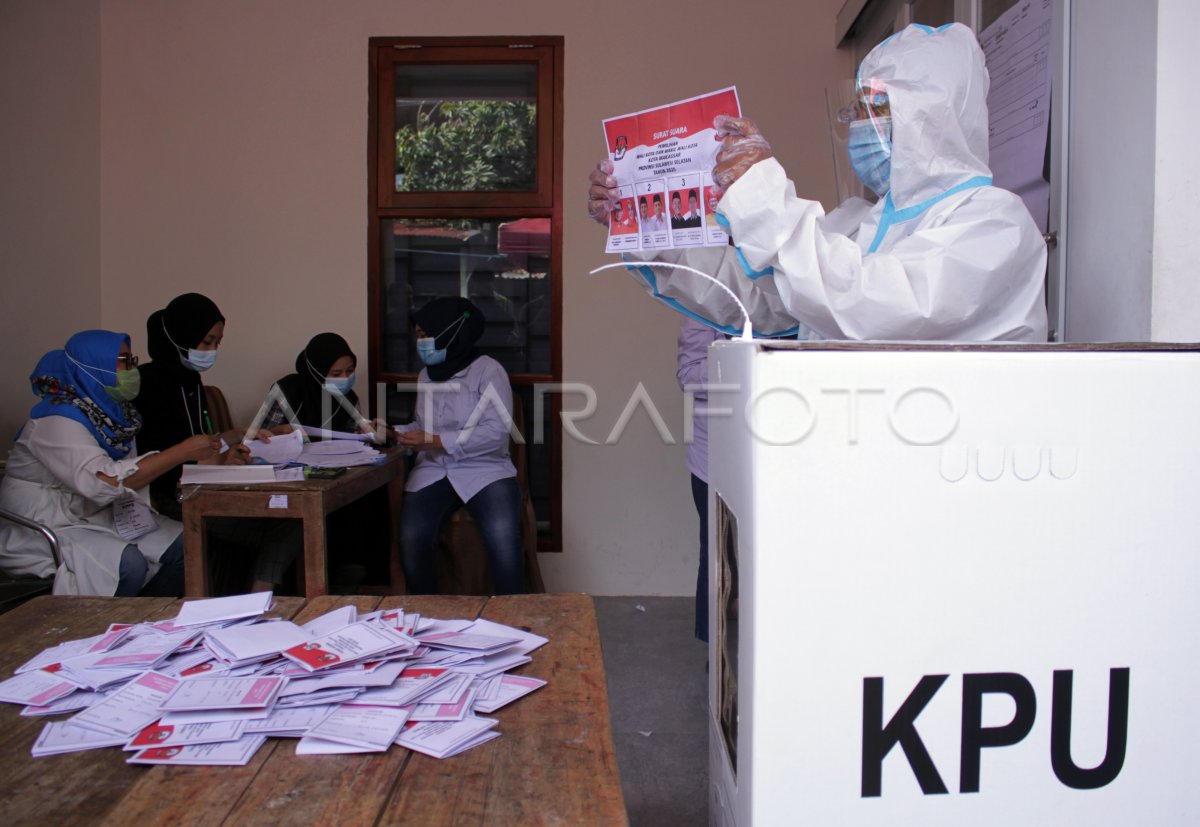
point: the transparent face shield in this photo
(861, 107)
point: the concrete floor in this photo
(658, 700)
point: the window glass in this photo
(502, 265)
(465, 127)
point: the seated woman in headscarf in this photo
(75, 468)
(182, 340)
(320, 396)
(320, 393)
(460, 431)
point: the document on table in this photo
(442, 739)
(354, 642)
(37, 688)
(227, 474)
(322, 433)
(243, 644)
(160, 735)
(471, 642)
(281, 450)
(216, 609)
(224, 693)
(131, 708)
(58, 737)
(505, 690)
(663, 158)
(227, 753)
(370, 727)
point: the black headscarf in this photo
(438, 319)
(305, 391)
(180, 325)
(171, 401)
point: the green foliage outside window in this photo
(473, 145)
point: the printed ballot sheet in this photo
(662, 160)
(226, 753)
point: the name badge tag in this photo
(132, 518)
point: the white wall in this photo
(50, 195)
(1111, 170)
(232, 161)
(1176, 296)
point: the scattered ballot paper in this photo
(369, 727)
(223, 693)
(217, 609)
(210, 685)
(169, 735)
(227, 753)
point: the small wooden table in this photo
(310, 501)
(553, 764)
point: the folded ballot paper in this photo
(209, 686)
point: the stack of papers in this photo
(340, 451)
(209, 686)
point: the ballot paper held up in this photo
(662, 159)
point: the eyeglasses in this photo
(870, 104)
(128, 360)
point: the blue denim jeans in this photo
(167, 581)
(496, 510)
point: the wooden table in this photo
(553, 764)
(310, 501)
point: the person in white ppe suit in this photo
(943, 254)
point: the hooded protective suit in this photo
(943, 256)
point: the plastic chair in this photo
(461, 557)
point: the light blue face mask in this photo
(429, 354)
(339, 384)
(199, 360)
(870, 148)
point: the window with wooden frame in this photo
(465, 199)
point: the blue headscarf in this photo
(71, 383)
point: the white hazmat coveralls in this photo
(943, 256)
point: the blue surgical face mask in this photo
(339, 384)
(199, 360)
(870, 148)
(429, 354)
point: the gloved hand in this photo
(602, 192)
(742, 147)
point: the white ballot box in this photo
(954, 585)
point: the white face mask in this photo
(199, 360)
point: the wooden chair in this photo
(461, 557)
(218, 409)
